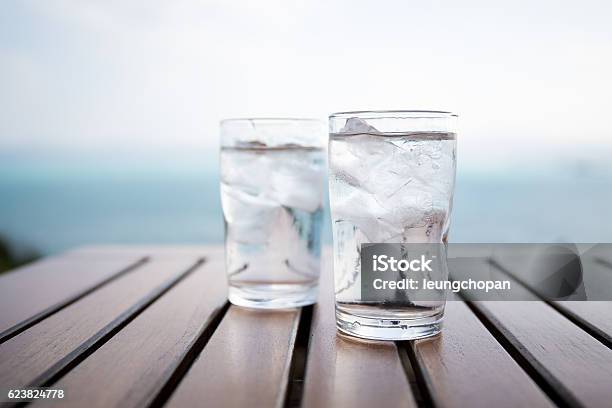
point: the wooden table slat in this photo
(595, 315)
(160, 251)
(466, 366)
(573, 362)
(135, 364)
(48, 347)
(345, 372)
(245, 363)
(576, 365)
(49, 284)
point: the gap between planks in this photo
(299, 358)
(297, 364)
(556, 392)
(414, 373)
(58, 370)
(591, 329)
(192, 354)
(37, 318)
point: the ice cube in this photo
(248, 170)
(297, 181)
(346, 272)
(355, 160)
(357, 125)
(344, 165)
(249, 218)
(368, 215)
(372, 148)
(412, 210)
(369, 162)
(387, 179)
(412, 165)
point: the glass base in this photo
(388, 329)
(272, 296)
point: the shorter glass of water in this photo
(272, 178)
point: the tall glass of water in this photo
(272, 180)
(392, 175)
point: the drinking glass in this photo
(391, 180)
(272, 178)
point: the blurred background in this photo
(109, 110)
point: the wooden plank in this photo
(38, 354)
(160, 251)
(594, 316)
(131, 368)
(597, 316)
(526, 263)
(245, 363)
(345, 372)
(467, 367)
(600, 252)
(35, 291)
(577, 366)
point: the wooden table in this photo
(151, 326)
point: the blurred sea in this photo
(52, 211)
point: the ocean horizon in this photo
(51, 210)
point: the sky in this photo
(530, 80)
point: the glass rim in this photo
(272, 131)
(269, 119)
(395, 113)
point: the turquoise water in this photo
(52, 212)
